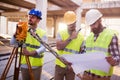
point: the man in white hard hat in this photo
(101, 39)
(69, 41)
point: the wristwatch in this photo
(69, 39)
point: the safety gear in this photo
(21, 31)
(69, 17)
(92, 16)
(32, 44)
(100, 45)
(36, 13)
(72, 48)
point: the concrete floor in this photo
(48, 68)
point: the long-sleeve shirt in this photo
(40, 50)
(113, 48)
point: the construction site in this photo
(14, 11)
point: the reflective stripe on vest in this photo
(97, 49)
(72, 48)
(71, 51)
(101, 44)
(32, 44)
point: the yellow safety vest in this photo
(33, 44)
(72, 48)
(101, 44)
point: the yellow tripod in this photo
(17, 63)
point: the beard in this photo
(97, 30)
(30, 22)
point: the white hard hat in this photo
(69, 17)
(92, 16)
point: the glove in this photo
(21, 31)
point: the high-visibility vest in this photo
(72, 48)
(101, 44)
(33, 44)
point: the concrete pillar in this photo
(0, 24)
(42, 5)
(55, 19)
(3, 25)
(79, 14)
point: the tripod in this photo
(17, 63)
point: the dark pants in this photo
(90, 77)
(36, 73)
(61, 73)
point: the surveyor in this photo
(34, 49)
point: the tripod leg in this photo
(8, 64)
(29, 68)
(17, 66)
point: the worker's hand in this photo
(79, 75)
(69, 67)
(111, 61)
(28, 53)
(67, 63)
(73, 35)
(18, 30)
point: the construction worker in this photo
(69, 41)
(101, 39)
(33, 49)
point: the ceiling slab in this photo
(64, 3)
(107, 12)
(63, 6)
(20, 3)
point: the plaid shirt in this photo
(113, 48)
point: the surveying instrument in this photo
(21, 33)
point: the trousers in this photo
(36, 73)
(63, 73)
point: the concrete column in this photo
(3, 25)
(55, 18)
(0, 24)
(79, 14)
(42, 6)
